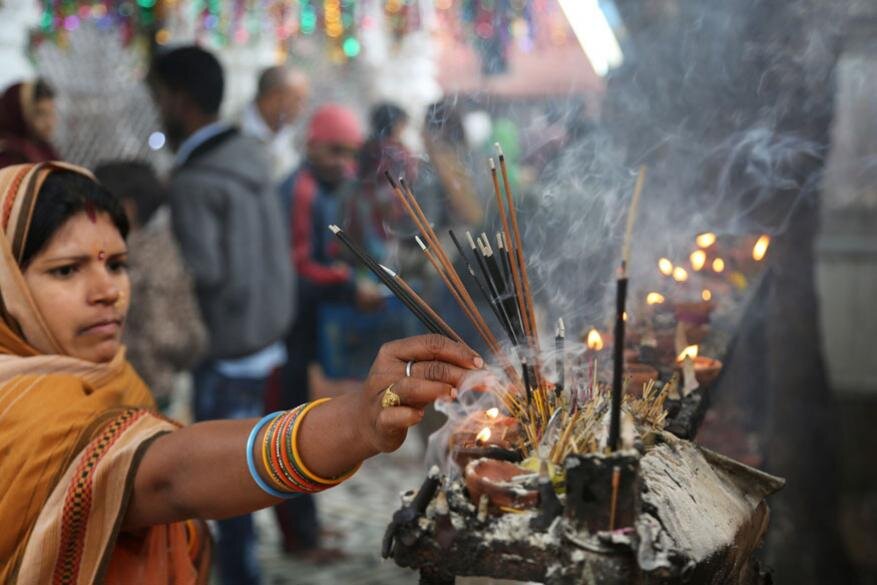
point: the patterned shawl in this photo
(71, 436)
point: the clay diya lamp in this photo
(485, 434)
(638, 375)
(500, 482)
(695, 312)
(706, 369)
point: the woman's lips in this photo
(105, 327)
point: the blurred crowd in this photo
(242, 295)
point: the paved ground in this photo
(360, 509)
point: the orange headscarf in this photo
(71, 435)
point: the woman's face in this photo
(44, 119)
(80, 284)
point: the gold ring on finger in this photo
(390, 398)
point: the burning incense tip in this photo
(594, 340)
(561, 329)
(760, 248)
(335, 229)
(390, 178)
(388, 271)
(499, 150)
(706, 294)
(665, 266)
(705, 240)
(689, 352)
(654, 298)
(718, 265)
(420, 243)
(492, 164)
(492, 412)
(680, 274)
(698, 259)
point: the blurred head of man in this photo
(334, 139)
(281, 96)
(187, 86)
(42, 117)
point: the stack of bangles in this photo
(287, 473)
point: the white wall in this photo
(16, 18)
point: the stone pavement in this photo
(360, 509)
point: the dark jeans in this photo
(218, 396)
(297, 517)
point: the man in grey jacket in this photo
(227, 219)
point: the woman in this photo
(96, 487)
(27, 123)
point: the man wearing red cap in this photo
(312, 196)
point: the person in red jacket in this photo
(313, 199)
(27, 123)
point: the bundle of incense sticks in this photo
(502, 280)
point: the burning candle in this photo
(689, 352)
(706, 294)
(483, 436)
(705, 240)
(654, 298)
(594, 340)
(698, 259)
(491, 413)
(718, 265)
(760, 248)
(665, 267)
(680, 274)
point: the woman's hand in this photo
(438, 366)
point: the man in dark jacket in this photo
(227, 220)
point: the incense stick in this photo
(519, 246)
(631, 217)
(417, 306)
(425, 306)
(559, 339)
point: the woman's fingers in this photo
(438, 372)
(399, 418)
(418, 393)
(434, 347)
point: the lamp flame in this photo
(482, 436)
(705, 240)
(654, 298)
(680, 274)
(665, 266)
(706, 294)
(698, 259)
(689, 352)
(492, 412)
(718, 265)
(594, 341)
(760, 248)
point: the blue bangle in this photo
(251, 463)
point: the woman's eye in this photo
(118, 265)
(63, 271)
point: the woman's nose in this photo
(104, 288)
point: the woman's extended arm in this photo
(201, 471)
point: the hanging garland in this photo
(239, 22)
(490, 25)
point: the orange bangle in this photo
(297, 456)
